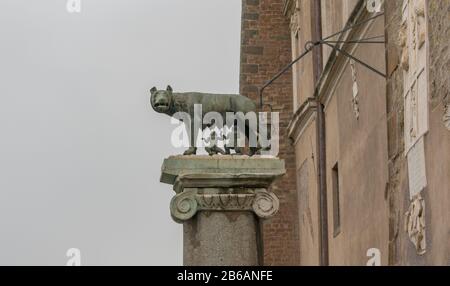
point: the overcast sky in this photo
(80, 148)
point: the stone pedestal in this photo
(220, 201)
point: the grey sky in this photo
(80, 149)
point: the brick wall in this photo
(265, 49)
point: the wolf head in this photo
(161, 100)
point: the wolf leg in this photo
(253, 150)
(191, 132)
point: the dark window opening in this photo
(336, 209)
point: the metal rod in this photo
(354, 26)
(364, 41)
(278, 75)
(310, 46)
(374, 37)
(356, 42)
(355, 59)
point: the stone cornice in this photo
(301, 118)
(220, 171)
(225, 180)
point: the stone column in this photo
(220, 201)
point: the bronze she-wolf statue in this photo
(169, 102)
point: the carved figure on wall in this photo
(446, 118)
(355, 89)
(403, 42)
(413, 114)
(415, 224)
(419, 10)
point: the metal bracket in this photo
(309, 46)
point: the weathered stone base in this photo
(221, 239)
(220, 200)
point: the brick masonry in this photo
(265, 50)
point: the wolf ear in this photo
(169, 88)
(153, 90)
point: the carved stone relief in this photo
(419, 10)
(355, 89)
(403, 38)
(295, 35)
(186, 204)
(413, 113)
(295, 18)
(415, 224)
(265, 204)
(413, 41)
(446, 118)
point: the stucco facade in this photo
(356, 144)
(386, 148)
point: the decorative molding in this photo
(226, 180)
(222, 184)
(415, 224)
(265, 204)
(301, 119)
(186, 204)
(203, 171)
